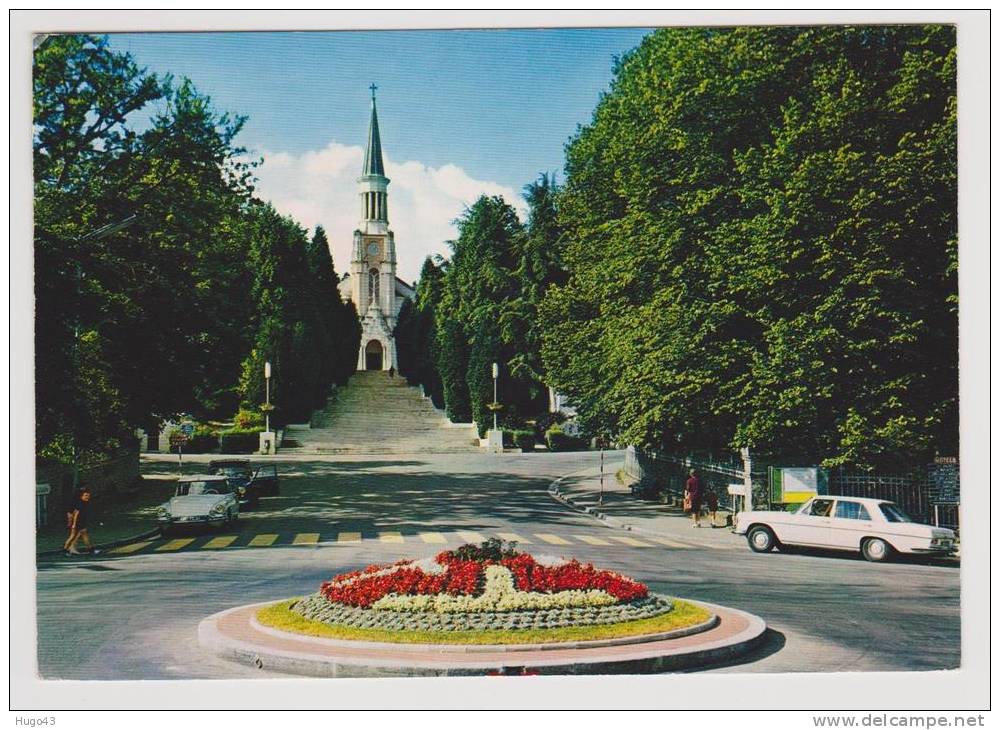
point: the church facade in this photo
(372, 284)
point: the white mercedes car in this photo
(874, 527)
(205, 499)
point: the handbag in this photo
(687, 502)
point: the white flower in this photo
(499, 594)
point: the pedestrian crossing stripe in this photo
(513, 537)
(175, 544)
(396, 537)
(668, 543)
(630, 541)
(133, 548)
(552, 539)
(263, 540)
(590, 540)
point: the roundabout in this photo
(480, 609)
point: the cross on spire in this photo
(373, 87)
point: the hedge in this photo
(558, 440)
(524, 440)
(239, 441)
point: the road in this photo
(134, 615)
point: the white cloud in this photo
(320, 188)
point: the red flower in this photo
(465, 577)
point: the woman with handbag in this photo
(693, 491)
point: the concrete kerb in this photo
(556, 493)
(235, 636)
(107, 545)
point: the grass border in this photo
(684, 614)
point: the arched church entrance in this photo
(373, 355)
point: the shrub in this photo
(204, 440)
(524, 440)
(246, 420)
(239, 441)
(558, 440)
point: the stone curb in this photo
(106, 545)
(231, 635)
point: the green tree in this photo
(760, 228)
(139, 296)
(415, 333)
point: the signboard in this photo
(793, 485)
(944, 483)
(187, 429)
(177, 438)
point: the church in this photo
(372, 284)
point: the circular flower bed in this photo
(481, 588)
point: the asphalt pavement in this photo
(134, 614)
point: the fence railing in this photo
(919, 493)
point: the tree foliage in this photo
(479, 308)
(761, 244)
(151, 276)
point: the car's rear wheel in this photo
(761, 539)
(876, 550)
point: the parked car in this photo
(875, 527)
(251, 483)
(205, 499)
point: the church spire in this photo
(373, 153)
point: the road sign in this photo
(187, 429)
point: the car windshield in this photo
(893, 513)
(193, 488)
(233, 471)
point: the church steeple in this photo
(375, 290)
(373, 182)
(373, 153)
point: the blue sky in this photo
(467, 111)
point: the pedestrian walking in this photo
(77, 521)
(392, 371)
(712, 500)
(694, 490)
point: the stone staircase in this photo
(376, 414)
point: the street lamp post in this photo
(496, 373)
(267, 396)
(268, 439)
(494, 441)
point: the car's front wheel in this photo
(761, 539)
(876, 550)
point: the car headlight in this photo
(162, 512)
(218, 509)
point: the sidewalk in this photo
(619, 508)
